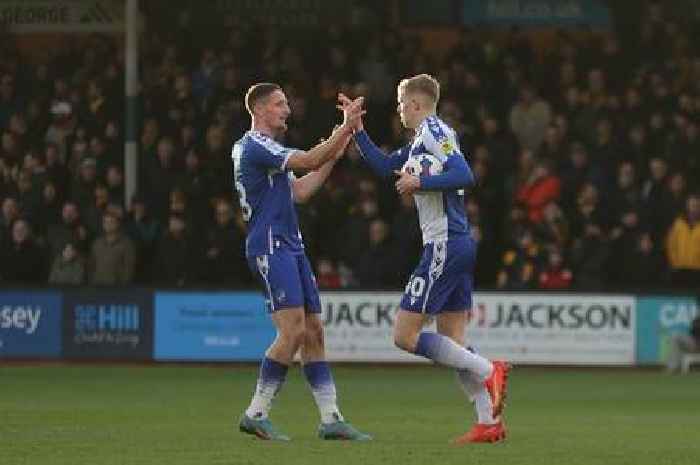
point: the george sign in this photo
(522, 328)
(30, 324)
(108, 324)
(211, 326)
(658, 318)
(31, 16)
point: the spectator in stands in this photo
(9, 101)
(683, 246)
(224, 257)
(144, 231)
(68, 267)
(112, 258)
(520, 266)
(10, 213)
(553, 148)
(197, 185)
(605, 153)
(657, 198)
(624, 242)
(682, 343)
(588, 210)
(48, 212)
(69, 230)
(327, 276)
(555, 275)
(374, 267)
(515, 226)
(529, 118)
(93, 213)
(22, 259)
(590, 253)
(114, 180)
(576, 171)
(83, 189)
(645, 268)
(357, 227)
(554, 227)
(175, 263)
(626, 195)
(541, 188)
(165, 168)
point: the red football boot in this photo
(482, 433)
(496, 384)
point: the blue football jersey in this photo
(265, 194)
(441, 213)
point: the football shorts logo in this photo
(263, 264)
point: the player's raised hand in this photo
(407, 183)
(345, 104)
(352, 112)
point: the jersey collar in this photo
(423, 123)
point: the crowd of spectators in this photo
(586, 154)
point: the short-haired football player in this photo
(433, 169)
(267, 191)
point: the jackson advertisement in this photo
(523, 328)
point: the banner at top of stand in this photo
(557, 13)
(286, 13)
(32, 16)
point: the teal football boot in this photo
(262, 429)
(342, 431)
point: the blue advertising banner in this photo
(223, 326)
(536, 12)
(658, 318)
(30, 324)
(108, 324)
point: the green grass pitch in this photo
(171, 415)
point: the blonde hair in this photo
(423, 84)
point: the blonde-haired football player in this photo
(433, 169)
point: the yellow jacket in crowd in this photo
(683, 245)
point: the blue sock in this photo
(445, 351)
(270, 380)
(318, 374)
(428, 345)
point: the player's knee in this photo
(405, 341)
(294, 335)
(314, 335)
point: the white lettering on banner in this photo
(20, 317)
(29, 16)
(222, 341)
(680, 313)
(523, 328)
(533, 9)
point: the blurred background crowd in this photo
(586, 152)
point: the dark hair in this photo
(257, 92)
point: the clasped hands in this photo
(352, 116)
